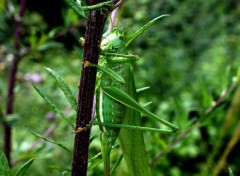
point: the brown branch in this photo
(94, 31)
(12, 79)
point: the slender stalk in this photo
(12, 80)
(94, 31)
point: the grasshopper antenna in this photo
(120, 14)
(114, 14)
(113, 19)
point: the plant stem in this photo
(94, 31)
(12, 80)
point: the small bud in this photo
(87, 64)
(82, 41)
(79, 129)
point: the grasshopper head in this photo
(112, 41)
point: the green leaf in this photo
(76, 8)
(23, 170)
(95, 164)
(142, 89)
(60, 168)
(49, 45)
(116, 165)
(65, 173)
(54, 107)
(147, 104)
(93, 137)
(97, 156)
(64, 87)
(54, 31)
(51, 141)
(4, 167)
(141, 30)
(230, 172)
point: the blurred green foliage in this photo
(188, 59)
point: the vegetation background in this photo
(189, 59)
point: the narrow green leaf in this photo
(60, 168)
(230, 172)
(65, 173)
(142, 89)
(49, 45)
(54, 107)
(95, 164)
(97, 156)
(116, 165)
(51, 141)
(64, 87)
(76, 8)
(23, 170)
(93, 137)
(142, 29)
(96, 159)
(4, 167)
(125, 99)
(111, 73)
(147, 104)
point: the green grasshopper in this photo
(117, 104)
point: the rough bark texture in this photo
(94, 31)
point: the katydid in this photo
(117, 104)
